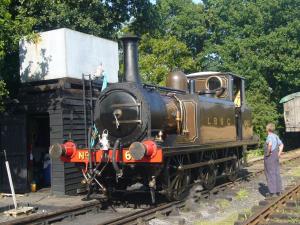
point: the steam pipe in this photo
(130, 52)
(115, 164)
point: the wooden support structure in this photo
(62, 100)
(19, 211)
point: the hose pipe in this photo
(114, 163)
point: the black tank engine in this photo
(164, 138)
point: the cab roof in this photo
(290, 97)
(211, 73)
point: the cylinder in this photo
(130, 52)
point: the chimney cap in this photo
(130, 36)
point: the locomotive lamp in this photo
(66, 150)
(139, 150)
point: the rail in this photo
(145, 215)
(263, 214)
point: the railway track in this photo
(133, 217)
(147, 214)
(165, 209)
(58, 215)
(281, 210)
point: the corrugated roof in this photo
(289, 97)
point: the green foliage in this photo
(263, 112)
(89, 16)
(185, 20)
(159, 56)
(12, 28)
(3, 94)
(145, 18)
(260, 41)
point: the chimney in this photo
(130, 51)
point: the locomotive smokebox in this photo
(130, 51)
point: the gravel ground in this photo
(224, 208)
(42, 200)
(101, 217)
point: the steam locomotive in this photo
(164, 138)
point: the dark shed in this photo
(45, 112)
(291, 113)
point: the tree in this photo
(100, 18)
(12, 27)
(3, 94)
(259, 40)
(145, 18)
(185, 20)
(159, 56)
(256, 37)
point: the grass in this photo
(223, 203)
(295, 172)
(229, 220)
(242, 194)
(289, 221)
(245, 214)
(293, 220)
(254, 153)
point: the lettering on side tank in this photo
(218, 121)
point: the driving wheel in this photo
(208, 177)
(177, 180)
(232, 169)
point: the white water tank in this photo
(67, 53)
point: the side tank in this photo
(217, 119)
(205, 120)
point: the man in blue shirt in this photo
(273, 150)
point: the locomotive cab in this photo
(231, 89)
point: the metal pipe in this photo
(192, 86)
(210, 162)
(115, 164)
(10, 181)
(130, 52)
(166, 89)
